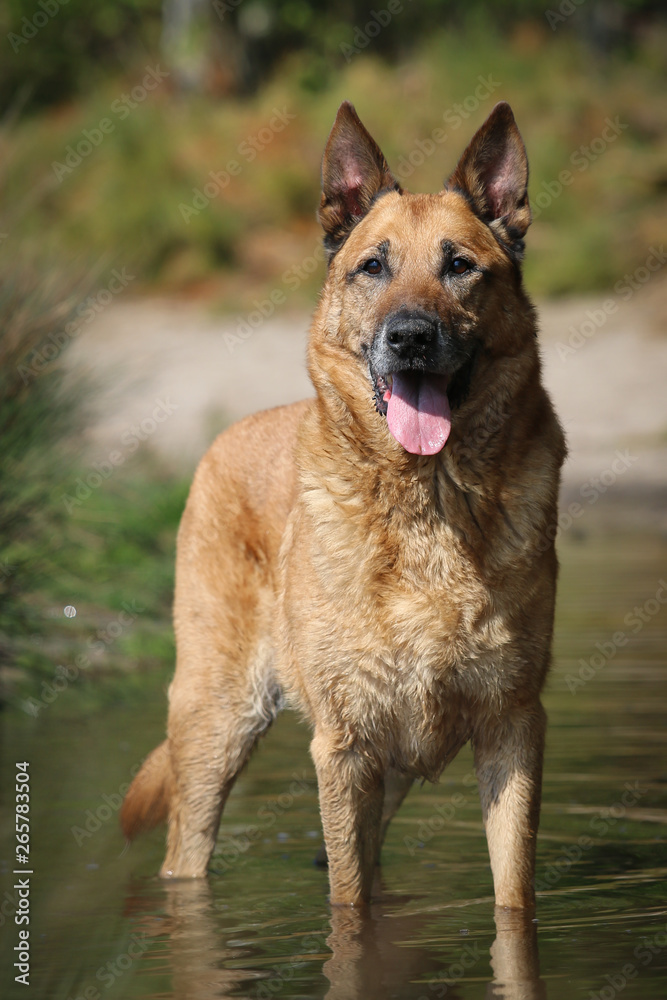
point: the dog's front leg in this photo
(508, 760)
(351, 792)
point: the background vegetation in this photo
(225, 70)
(119, 543)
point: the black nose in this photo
(409, 334)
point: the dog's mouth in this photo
(417, 409)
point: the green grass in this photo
(112, 560)
(122, 204)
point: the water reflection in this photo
(514, 958)
(371, 956)
(195, 951)
(366, 963)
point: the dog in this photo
(380, 557)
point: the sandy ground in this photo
(172, 376)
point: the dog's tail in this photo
(147, 800)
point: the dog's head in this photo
(422, 291)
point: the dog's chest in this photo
(417, 593)
(408, 637)
(435, 643)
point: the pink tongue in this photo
(418, 413)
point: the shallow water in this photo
(101, 924)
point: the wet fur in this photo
(403, 603)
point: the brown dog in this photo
(380, 556)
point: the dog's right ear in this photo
(354, 171)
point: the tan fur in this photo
(404, 603)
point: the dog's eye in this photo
(372, 266)
(459, 266)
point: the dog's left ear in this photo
(353, 172)
(493, 174)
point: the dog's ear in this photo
(353, 172)
(493, 174)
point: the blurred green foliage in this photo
(136, 195)
(55, 50)
(114, 547)
(113, 560)
(36, 415)
(59, 49)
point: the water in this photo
(103, 926)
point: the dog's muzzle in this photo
(412, 360)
